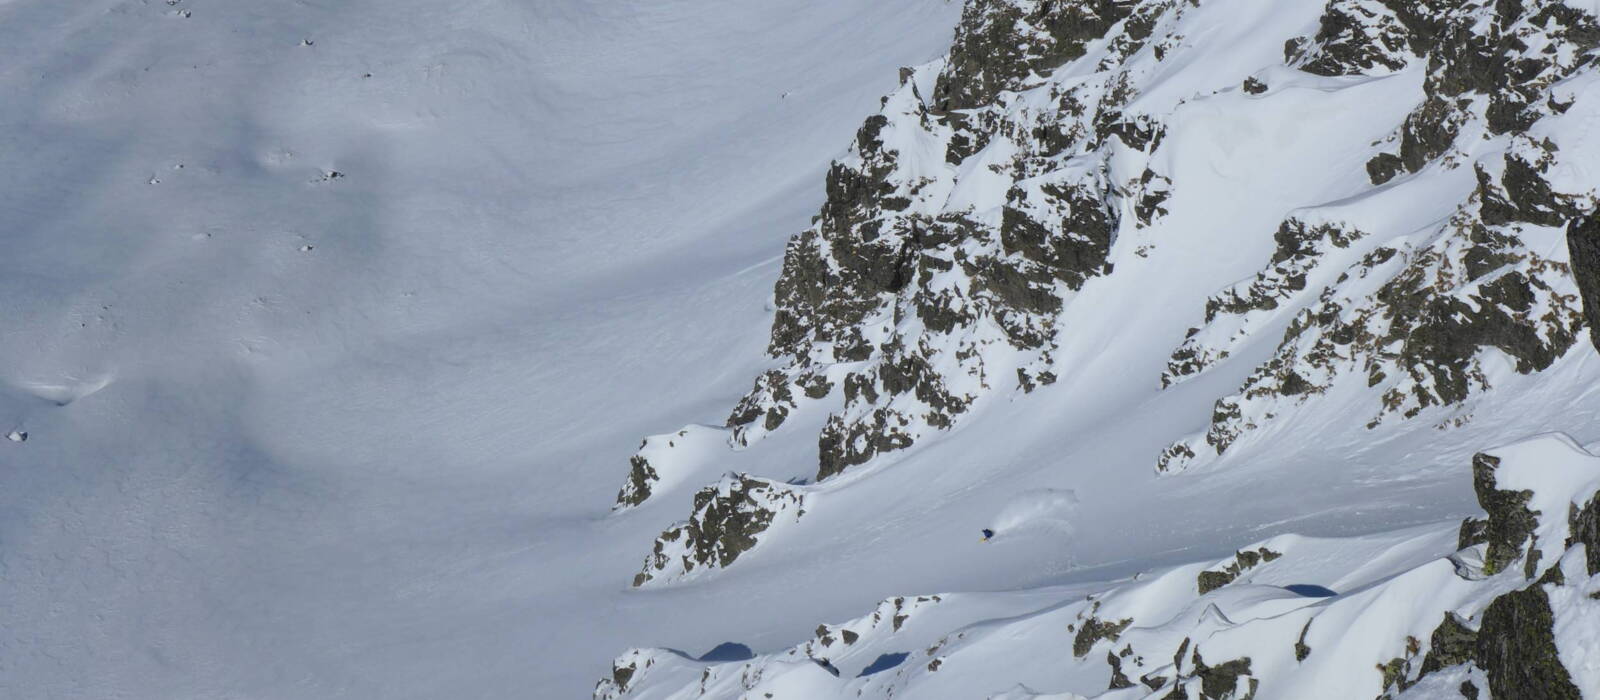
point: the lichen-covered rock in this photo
(1095, 630)
(1473, 531)
(1452, 643)
(1584, 526)
(1490, 63)
(1243, 561)
(629, 669)
(1518, 651)
(730, 518)
(1539, 497)
(1229, 680)
(1510, 523)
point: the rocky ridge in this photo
(1415, 314)
(998, 182)
(1502, 617)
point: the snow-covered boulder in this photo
(730, 518)
(663, 461)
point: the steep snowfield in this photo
(293, 435)
(1331, 236)
(332, 330)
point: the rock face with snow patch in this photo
(662, 461)
(1002, 185)
(1414, 314)
(985, 194)
(1243, 561)
(730, 518)
(966, 215)
(1513, 618)
(1583, 245)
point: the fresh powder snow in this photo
(653, 350)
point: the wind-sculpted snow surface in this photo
(1418, 259)
(330, 331)
(1360, 209)
(1418, 313)
(1422, 613)
(995, 184)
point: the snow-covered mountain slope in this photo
(1255, 330)
(1511, 613)
(1334, 235)
(293, 434)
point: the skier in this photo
(987, 534)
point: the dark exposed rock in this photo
(620, 675)
(1353, 38)
(770, 402)
(1473, 531)
(1420, 334)
(1221, 682)
(998, 44)
(1301, 651)
(728, 520)
(1093, 630)
(1119, 680)
(1583, 244)
(1452, 643)
(1584, 525)
(884, 254)
(1510, 522)
(843, 445)
(1300, 247)
(1384, 167)
(1243, 560)
(1521, 193)
(637, 487)
(1517, 649)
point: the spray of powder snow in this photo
(1042, 510)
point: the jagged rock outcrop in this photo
(1413, 313)
(663, 461)
(1234, 314)
(888, 618)
(1517, 649)
(1354, 37)
(967, 213)
(1243, 561)
(996, 188)
(1583, 246)
(1534, 494)
(1419, 631)
(1510, 523)
(729, 519)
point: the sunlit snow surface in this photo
(331, 328)
(293, 435)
